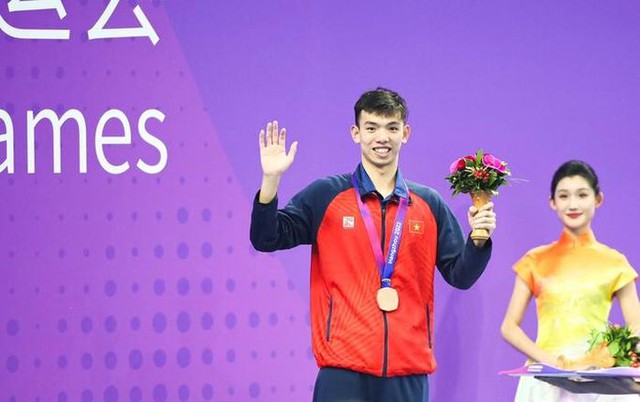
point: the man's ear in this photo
(355, 134)
(406, 132)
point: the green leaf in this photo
(614, 347)
(623, 362)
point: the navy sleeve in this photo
(459, 261)
(297, 223)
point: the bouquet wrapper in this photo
(479, 199)
(598, 357)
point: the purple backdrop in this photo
(143, 285)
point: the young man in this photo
(376, 240)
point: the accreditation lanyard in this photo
(385, 267)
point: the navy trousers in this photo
(341, 385)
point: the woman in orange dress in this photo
(574, 281)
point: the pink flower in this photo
(457, 165)
(494, 163)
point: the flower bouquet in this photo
(615, 346)
(479, 175)
(618, 346)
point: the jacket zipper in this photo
(385, 354)
(429, 326)
(328, 334)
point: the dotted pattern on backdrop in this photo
(134, 287)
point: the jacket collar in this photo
(365, 185)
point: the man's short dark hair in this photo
(383, 102)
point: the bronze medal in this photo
(387, 299)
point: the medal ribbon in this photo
(384, 267)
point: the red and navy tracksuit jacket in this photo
(348, 329)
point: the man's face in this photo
(380, 138)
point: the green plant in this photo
(621, 342)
